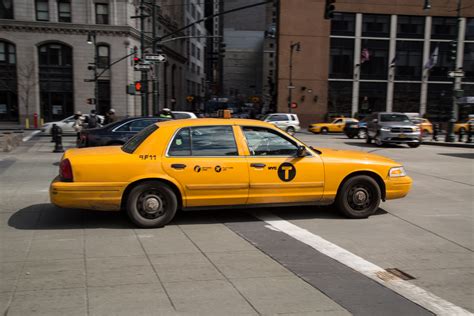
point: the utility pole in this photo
(92, 40)
(456, 80)
(156, 69)
(296, 45)
(144, 76)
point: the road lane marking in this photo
(404, 288)
(28, 137)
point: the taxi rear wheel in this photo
(290, 130)
(359, 197)
(151, 204)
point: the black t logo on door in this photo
(286, 172)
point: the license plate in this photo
(402, 135)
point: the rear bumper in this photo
(396, 188)
(93, 196)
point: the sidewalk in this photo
(15, 126)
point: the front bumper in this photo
(396, 188)
(400, 138)
(93, 196)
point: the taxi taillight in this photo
(65, 170)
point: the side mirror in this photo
(375, 121)
(301, 152)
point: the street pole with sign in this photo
(293, 46)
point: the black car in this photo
(116, 133)
(356, 129)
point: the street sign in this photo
(291, 87)
(142, 67)
(161, 58)
(456, 74)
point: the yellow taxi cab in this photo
(425, 126)
(336, 126)
(206, 163)
(463, 127)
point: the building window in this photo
(55, 81)
(103, 89)
(343, 24)
(193, 50)
(8, 83)
(406, 97)
(439, 102)
(470, 29)
(193, 67)
(64, 11)
(198, 70)
(340, 97)
(469, 62)
(101, 13)
(376, 25)
(6, 9)
(408, 61)
(103, 56)
(376, 66)
(198, 53)
(443, 28)
(42, 10)
(410, 26)
(372, 97)
(342, 58)
(440, 70)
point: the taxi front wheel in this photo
(151, 204)
(359, 197)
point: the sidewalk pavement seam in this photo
(154, 270)
(217, 268)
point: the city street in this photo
(292, 261)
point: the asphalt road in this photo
(298, 261)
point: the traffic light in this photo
(329, 9)
(222, 47)
(136, 61)
(453, 51)
(138, 86)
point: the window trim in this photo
(96, 14)
(36, 10)
(167, 155)
(58, 2)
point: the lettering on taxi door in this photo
(286, 172)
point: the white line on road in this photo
(28, 137)
(406, 289)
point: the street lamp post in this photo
(293, 46)
(91, 40)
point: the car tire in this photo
(351, 136)
(290, 130)
(151, 204)
(358, 197)
(414, 145)
(362, 133)
(324, 130)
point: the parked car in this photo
(183, 115)
(336, 126)
(392, 127)
(356, 129)
(117, 133)
(285, 121)
(65, 124)
(198, 164)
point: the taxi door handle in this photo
(257, 165)
(178, 166)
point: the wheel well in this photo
(168, 183)
(371, 174)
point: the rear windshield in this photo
(394, 118)
(136, 140)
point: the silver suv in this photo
(287, 122)
(391, 127)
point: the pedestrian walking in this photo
(93, 120)
(110, 117)
(78, 124)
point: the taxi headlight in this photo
(397, 172)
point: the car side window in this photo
(267, 142)
(204, 141)
(138, 125)
(339, 121)
(124, 128)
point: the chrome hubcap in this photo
(151, 204)
(360, 197)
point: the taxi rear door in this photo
(337, 126)
(276, 174)
(205, 161)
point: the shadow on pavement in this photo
(460, 155)
(49, 217)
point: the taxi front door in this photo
(276, 175)
(206, 162)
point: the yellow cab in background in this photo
(336, 126)
(221, 163)
(464, 127)
(425, 126)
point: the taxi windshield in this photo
(132, 144)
